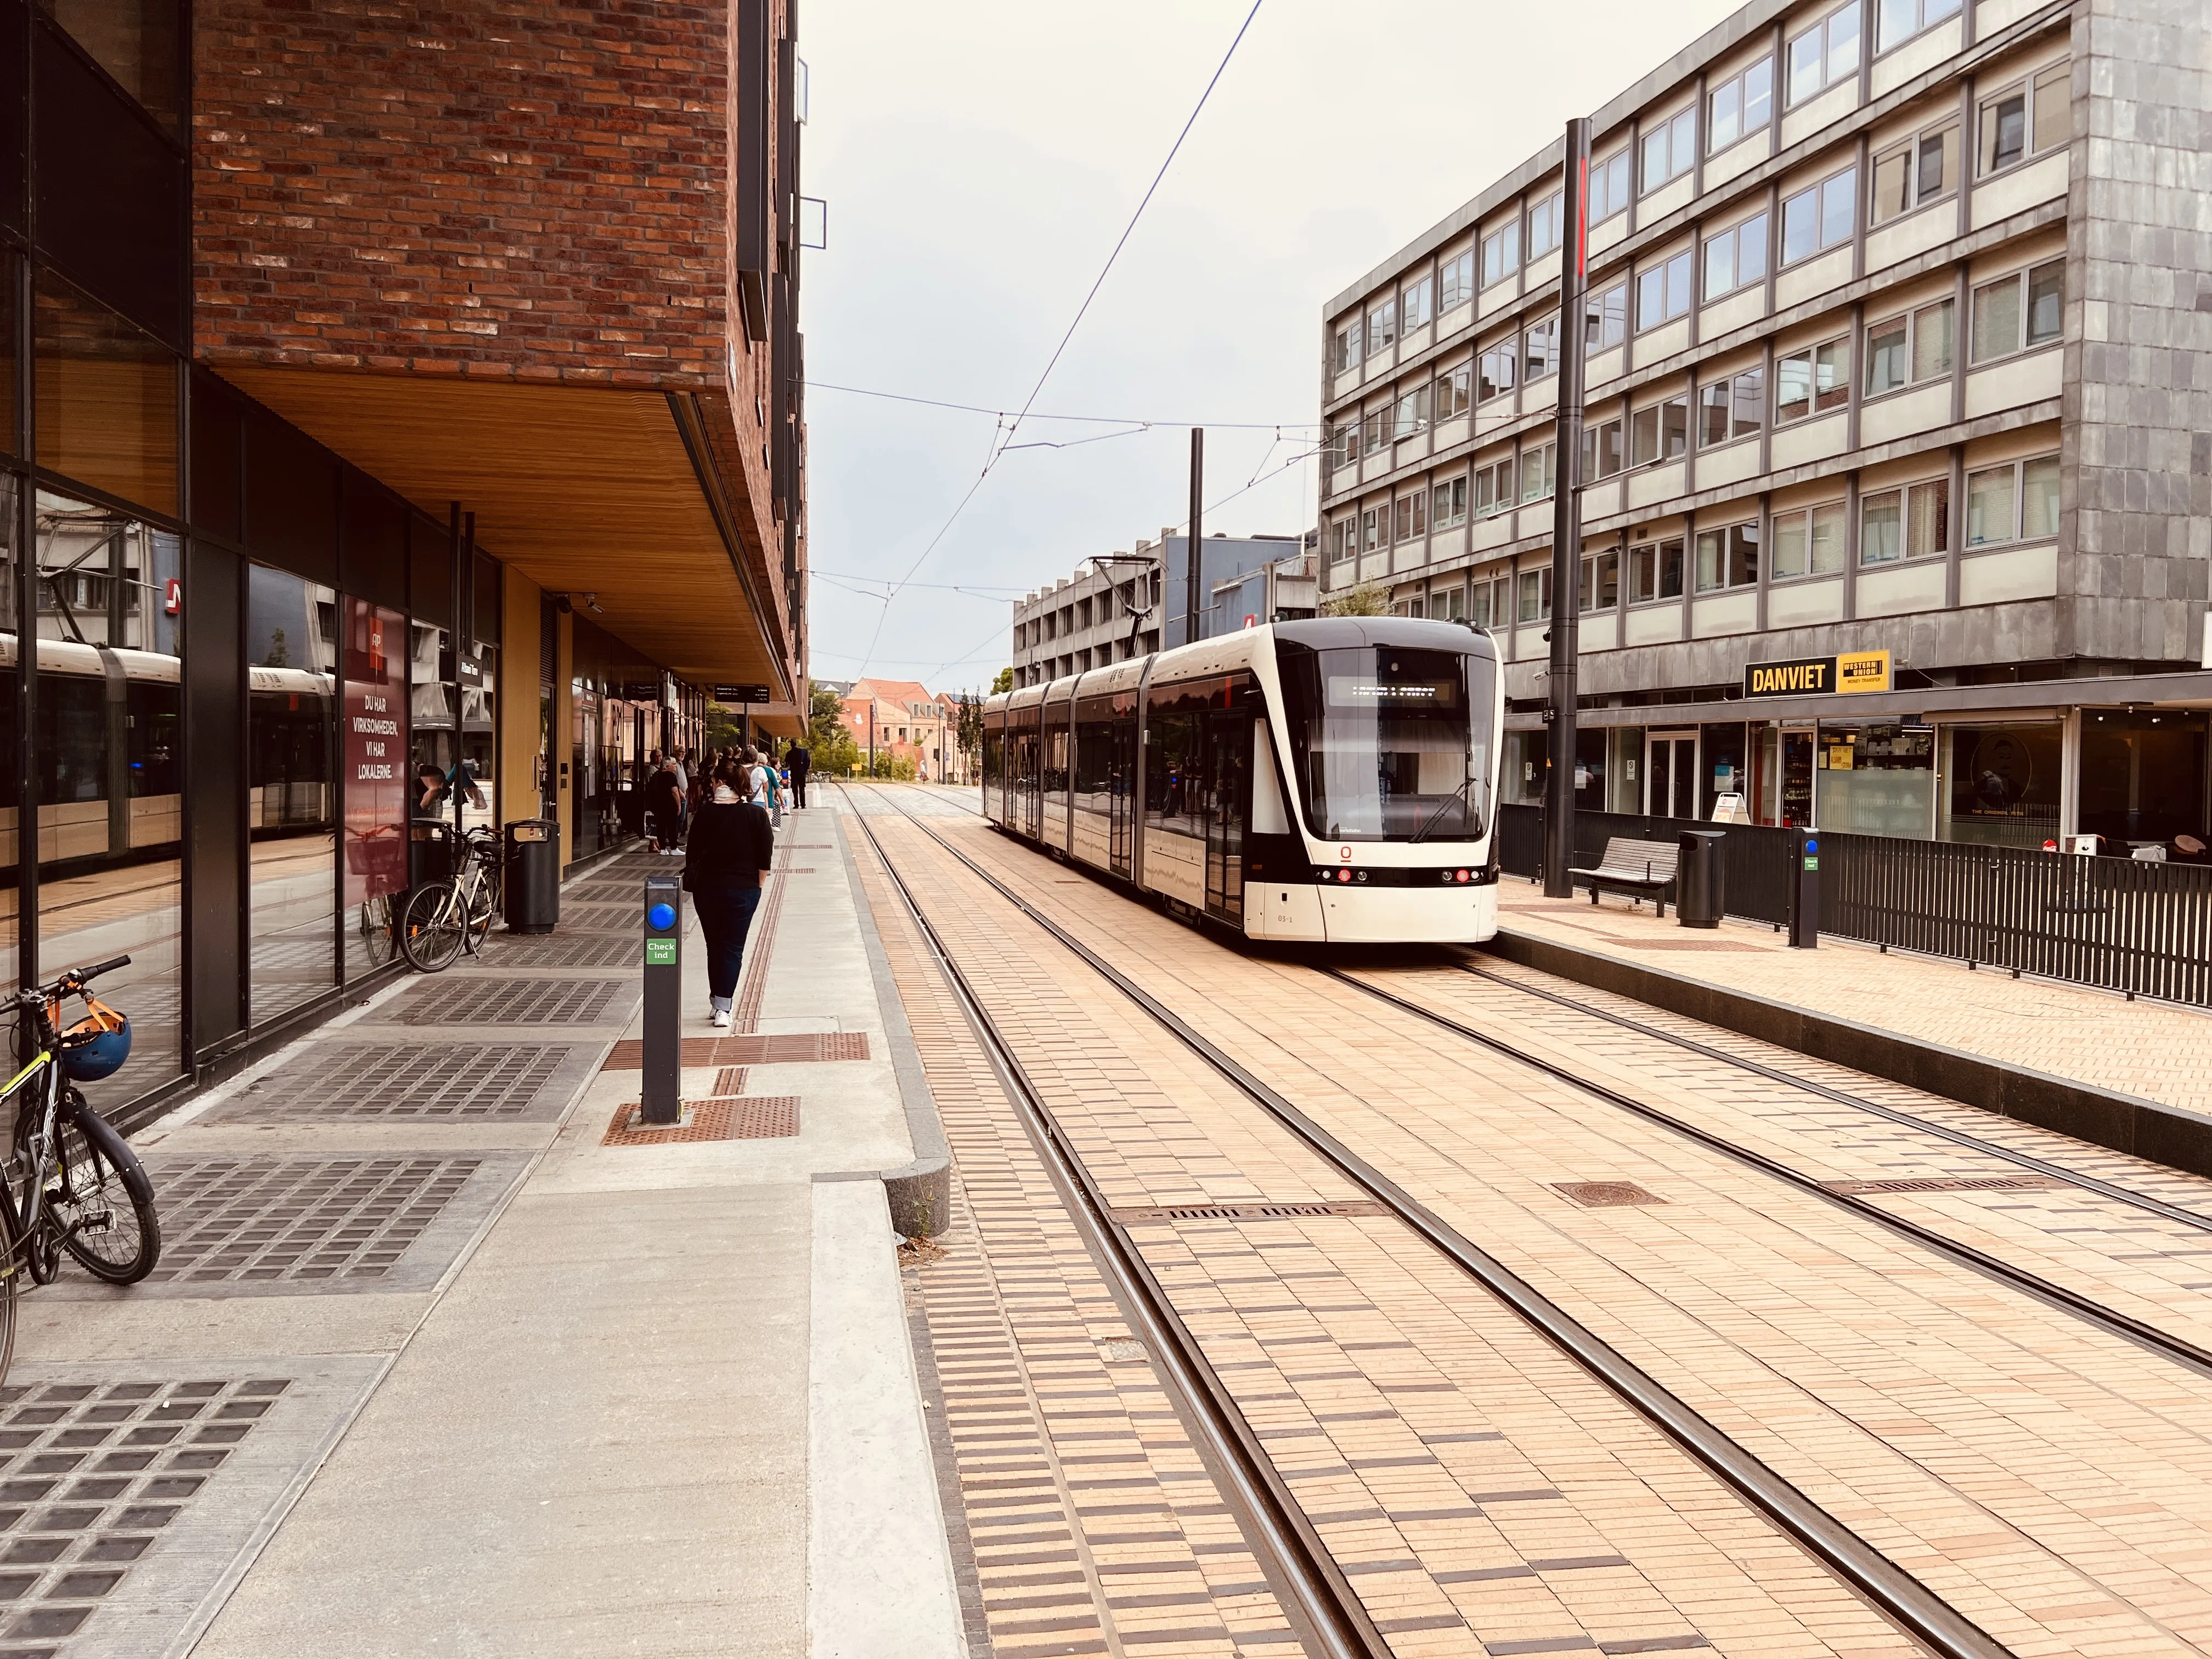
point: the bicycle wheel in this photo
(104, 1204)
(12, 1269)
(373, 923)
(28, 1176)
(483, 905)
(432, 926)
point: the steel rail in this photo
(1283, 1540)
(2111, 1321)
(2104, 1188)
(1887, 1587)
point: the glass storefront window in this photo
(107, 398)
(291, 680)
(1727, 767)
(137, 42)
(110, 824)
(2142, 779)
(478, 781)
(1875, 778)
(376, 781)
(11, 770)
(2001, 784)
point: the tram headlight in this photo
(1344, 875)
(1463, 875)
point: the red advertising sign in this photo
(375, 751)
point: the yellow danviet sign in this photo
(1818, 676)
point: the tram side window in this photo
(1055, 759)
(1174, 776)
(1094, 763)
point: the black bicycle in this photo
(73, 1183)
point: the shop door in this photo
(1670, 770)
(1797, 777)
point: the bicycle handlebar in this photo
(75, 980)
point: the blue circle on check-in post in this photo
(661, 917)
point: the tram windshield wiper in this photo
(1458, 794)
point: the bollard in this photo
(664, 997)
(1805, 890)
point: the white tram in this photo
(1331, 780)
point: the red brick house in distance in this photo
(906, 721)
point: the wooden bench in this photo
(1635, 867)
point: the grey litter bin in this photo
(533, 875)
(1701, 879)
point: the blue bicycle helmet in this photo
(97, 1045)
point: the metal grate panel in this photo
(250, 1220)
(490, 1001)
(452, 1080)
(625, 950)
(1294, 1210)
(93, 1477)
(2028, 1183)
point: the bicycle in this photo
(442, 919)
(73, 1183)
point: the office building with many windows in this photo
(1897, 461)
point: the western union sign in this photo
(1818, 676)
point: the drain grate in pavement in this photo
(1950, 1184)
(1292, 1210)
(512, 1002)
(552, 950)
(250, 1220)
(457, 1080)
(92, 1477)
(1605, 1194)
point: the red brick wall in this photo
(512, 188)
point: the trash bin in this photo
(533, 875)
(430, 851)
(1701, 879)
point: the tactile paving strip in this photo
(748, 1117)
(749, 1049)
(92, 1478)
(489, 1001)
(248, 1219)
(448, 1080)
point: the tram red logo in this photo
(1344, 854)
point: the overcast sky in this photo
(979, 160)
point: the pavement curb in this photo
(920, 1193)
(2127, 1123)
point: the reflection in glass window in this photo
(110, 806)
(291, 677)
(134, 40)
(107, 398)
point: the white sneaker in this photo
(721, 1020)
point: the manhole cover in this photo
(250, 1220)
(1605, 1195)
(552, 950)
(512, 1002)
(1950, 1184)
(1292, 1210)
(414, 1079)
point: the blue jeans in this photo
(726, 916)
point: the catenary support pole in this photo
(1567, 522)
(1190, 564)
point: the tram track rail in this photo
(1901, 1597)
(1291, 1554)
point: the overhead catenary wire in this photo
(1004, 433)
(1093, 420)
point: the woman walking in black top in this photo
(731, 847)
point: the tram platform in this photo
(2132, 1075)
(443, 1356)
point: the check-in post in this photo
(660, 1102)
(1804, 890)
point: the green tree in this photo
(970, 727)
(827, 741)
(1004, 682)
(1366, 600)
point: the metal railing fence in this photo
(2118, 924)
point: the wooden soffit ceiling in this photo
(581, 489)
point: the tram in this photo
(1331, 780)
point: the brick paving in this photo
(1479, 1490)
(2155, 1050)
(2039, 1475)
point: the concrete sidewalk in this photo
(527, 1384)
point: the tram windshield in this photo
(1391, 744)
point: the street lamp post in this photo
(1567, 522)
